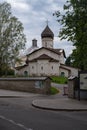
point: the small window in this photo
(41, 67)
(62, 74)
(52, 67)
(32, 67)
(25, 73)
(45, 44)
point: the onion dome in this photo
(47, 33)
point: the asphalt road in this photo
(18, 114)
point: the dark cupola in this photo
(47, 33)
(47, 37)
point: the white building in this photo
(45, 61)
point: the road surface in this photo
(18, 114)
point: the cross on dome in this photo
(47, 22)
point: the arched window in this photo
(41, 67)
(62, 74)
(25, 73)
(32, 67)
(45, 44)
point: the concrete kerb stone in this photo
(11, 97)
(36, 104)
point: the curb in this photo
(10, 96)
(56, 109)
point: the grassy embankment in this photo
(59, 80)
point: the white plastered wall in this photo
(74, 71)
(66, 72)
(41, 67)
(47, 42)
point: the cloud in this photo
(19, 5)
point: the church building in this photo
(44, 61)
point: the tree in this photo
(12, 38)
(68, 61)
(74, 29)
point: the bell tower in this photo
(47, 37)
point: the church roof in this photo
(57, 51)
(20, 67)
(44, 57)
(62, 67)
(47, 33)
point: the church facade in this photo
(45, 61)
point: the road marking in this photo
(13, 122)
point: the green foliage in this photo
(59, 79)
(54, 90)
(68, 61)
(11, 72)
(74, 29)
(12, 38)
(6, 71)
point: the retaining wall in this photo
(35, 85)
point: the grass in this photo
(54, 90)
(59, 79)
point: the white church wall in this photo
(46, 68)
(62, 61)
(33, 68)
(66, 72)
(74, 71)
(21, 71)
(43, 67)
(54, 68)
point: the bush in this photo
(10, 72)
(59, 79)
(54, 90)
(7, 73)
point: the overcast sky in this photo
(34, 14)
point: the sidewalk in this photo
(60, 104)
(10, 93)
